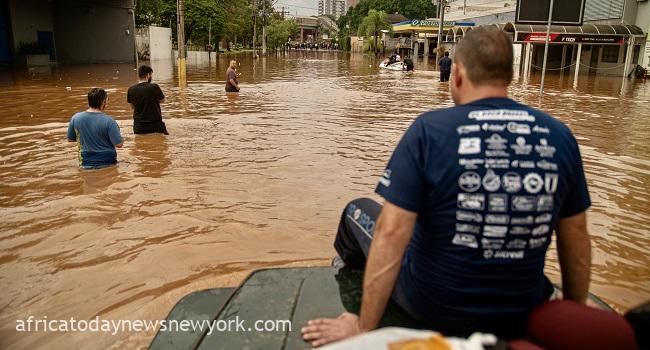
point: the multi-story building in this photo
(625, 23)
(351, 3)
(336, 8)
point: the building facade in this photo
(336, 8)
(625, 22)
(351, 3)
(69, 31)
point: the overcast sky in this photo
(303, 7)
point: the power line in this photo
(302, 7)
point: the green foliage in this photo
(418, 9)
(372, 25)
(343, 39)
(239, 20)
(279, 32)
(155, 13)
(200, 15)
(411, 9)
(231, 19)
(369, 45)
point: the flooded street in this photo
(254, 180)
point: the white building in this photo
(336, 8)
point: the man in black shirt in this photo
(408, 62)
(145, 98)
(445, 67)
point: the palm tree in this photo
(372, 24)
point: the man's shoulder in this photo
(80, 116)
(444, 115)
(106, 117)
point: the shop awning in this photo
(585, 34)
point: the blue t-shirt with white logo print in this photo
(489, 181)
(96, 134)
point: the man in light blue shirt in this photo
(96, 133)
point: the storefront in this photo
(420, 37)
(587, 49)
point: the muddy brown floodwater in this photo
(254, 180)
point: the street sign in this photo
(565, 12)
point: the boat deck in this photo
(295, 294)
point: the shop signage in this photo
(565, 38)
(431, 23)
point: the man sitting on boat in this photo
(472, 196)
(393, 58)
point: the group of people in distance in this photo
(444, 64)
(407, 64)
(97, 134)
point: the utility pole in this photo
(441, 18)
(210, 33)
(181, 43)
(254, 29)
(263, 27)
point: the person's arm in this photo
(403, 185)
(161, 96)
(233, 83)
(72, 134)
(129, 100)
(573, 242)
(574, 253)
(114, 134)
(391, 237)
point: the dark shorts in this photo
(150, 128)
(444, 75)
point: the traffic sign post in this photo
(568, 12)
(548, 34)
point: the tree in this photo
(279, 32)
(239, 21)
(147, 12)
(375, 22)
(411, 9)
(418, 9)
(200, 16)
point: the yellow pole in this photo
(182, 77)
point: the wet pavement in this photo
(254, 180)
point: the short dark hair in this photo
(96, 96)
(144, 70)
(447, 53)
(487, 55)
